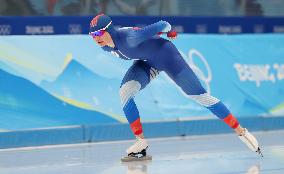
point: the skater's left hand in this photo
(172, 34)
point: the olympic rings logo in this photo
(5, 29)
(206, 77)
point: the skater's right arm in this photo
(136, 36)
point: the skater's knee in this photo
(205, 99)
(128, 90)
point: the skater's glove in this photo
(172, 34)
(159, 33)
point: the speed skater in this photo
(153, 54)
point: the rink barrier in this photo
(112, 132)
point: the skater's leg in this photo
(189, 83)
(136, 78)
(186, 79)
(180, 72)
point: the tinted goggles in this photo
(99, 32)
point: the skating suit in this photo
(153, 54)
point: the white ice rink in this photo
(216, 154)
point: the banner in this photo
(50, 25)
(68, 80)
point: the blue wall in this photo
(68, 80)
(80, 25)
(64, 89)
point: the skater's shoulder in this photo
(124, 30)
(126, 33)
(127, 30)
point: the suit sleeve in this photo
(137, 36)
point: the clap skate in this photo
(137, 152)
(250, 141)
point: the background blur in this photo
(189, 16)
(142, 7)
(53, 75)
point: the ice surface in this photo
(216, 154)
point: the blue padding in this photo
(108, 132)
(111, 132)
(39, 137)
(162, 129)
(203, 127)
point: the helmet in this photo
(101, 22)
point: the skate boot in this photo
(250, 141)
(137, 152)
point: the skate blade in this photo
(130, 159)
(259, 152)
